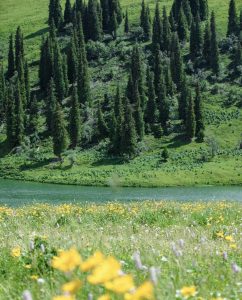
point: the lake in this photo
(17, 193)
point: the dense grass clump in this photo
(184, 249)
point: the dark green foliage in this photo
(204, 12)
(168, 80)
(50, 105)
(105, 13)
(190, 118)
(151, 109)
(177, 70)
(195, 7)
(65, 74)
(199, 113)
(19, 116)
(2, 94)
(27, 83)
(19, 48)
(22, 83)
(46, 63)
(10, 117)
(175, 10)
(11, 61)
(58, 74)
(102, 127)
(33, 117)
(163, 106)
(183, 100)
(166, 31)
(165, 154)
(113, 25)
(138, 113)
(126, 22)
(74, 120)
(196, 38)
(207, 44)
(55, 13)
(214, 58)
(117, 123)
(59, 132)
(94, 25)
(237, 59)
(158, 69)
(157, 37)
(187, 11)
(129, 137)
(182, 27)
(72, 60)
(68, 12)
(233, 20)
(145, 21)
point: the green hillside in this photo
(216, 160)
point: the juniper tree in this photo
(198, 109)
(157, 36)
(207, 44)
(182, 27)
(74, 119)
(126, 22)
(114, 6)
(232, 19)
(203, 8)
(190, 118)
(175, 10)
(214, 58)
(11, 61)
(68, 12)
(145, 21)
(176, 62)
(19, 116)
(55, 13)
(59, 132)
(196, 38)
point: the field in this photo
(194, 245)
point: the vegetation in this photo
(181, 78)
(177, 250)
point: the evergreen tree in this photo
(27, 83)
(172, 22)
(199, 114)
(33, 117)
(166, 31)
(102, 127)
(65, 74)
(196, 38)
(158, 69)
(237, 59)
(240, 24)
(106, 14)
(175, 10)
(142, 13)
(187, 12)
(2, 93)
(183, 100)
(72, 61)
(112, 129)
(74, 120)
(138, 114)
(114, 6)
(177, 70)
(118, 104)
(46, 64)
(11, 61)
(19, 116)
(22, 83)
(94, 26)
(50, 105)
(190, 118)
(126, 23)
(195, 7)
(151, 109)
(51, 11)
(232, 22)
(182, 27)
(113, 25)
(203, 6)
(19, 48)
(10, 117)
(58, 74)
(165, 154)
(168, 80)
(55, 13)
(207, 44)
(68, 12)
(118, 122)
(157, 36)
(59, 132)
(129, 137)
(163, 106)
(145, 21)
(214, 58)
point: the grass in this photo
(189, 243)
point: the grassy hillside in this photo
(194, 245)
(216, 161)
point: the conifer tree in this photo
(106, 14)
(51, 11)
(59, 132)
(145, 21)
(65, 75)
(157, 36)
(58, 74)
(203, 7)
(113, 25)
(114, 6)
(175, 10)
(129, 137)
(237, 59)
(207, 44)
(195, 7)
(183, 100)
(19, 48)
(163, 106)
(118, 122)
(74, 119)
(190, 118)
(172, 22)
(166, 31)
(27, 83)
(10, 117)
(168, 80)
(11, 61)
(233, 21)
(102, 127)
(19, 116)
(177, 70)
(138, 114)
(199, 114)
(151, 109)
(142, 13)
(158, 68)
(50, 105)
(196, 38)
(46, 63)
(2, 93)
(94, 26)
(118, 105)
(240, 25)
(68, 12)
(126, 22)
(182, 27)
(22, 83)
(33, 117)
(72, 61)
(55, 13)
(187, 12)
(214, 58)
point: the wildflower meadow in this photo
(147, 250)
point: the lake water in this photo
(17, 193)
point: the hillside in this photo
(214, 160)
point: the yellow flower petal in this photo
(144, 292)
(104, 297)
(121, 284)
(188, 291)
(16, 252)
(72, 287)
(67, 261)
(92, 261)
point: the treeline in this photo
(155, 83)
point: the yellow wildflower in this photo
(233, 246)
(220, 234)
(104, 297)
(28, 266)
(144, 292)
(121, 284)
(64, 297)
(92, 261)
(67, 261)
(72, 287)
(229, 238)
(107, 270)
(34, 277)
(16, 252)
(188, 291)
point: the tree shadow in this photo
(109, 162)
(4, 149)
(178, 141)
(36, 165)
(37, 33)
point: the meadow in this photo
(166, 250)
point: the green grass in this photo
(178, 239)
